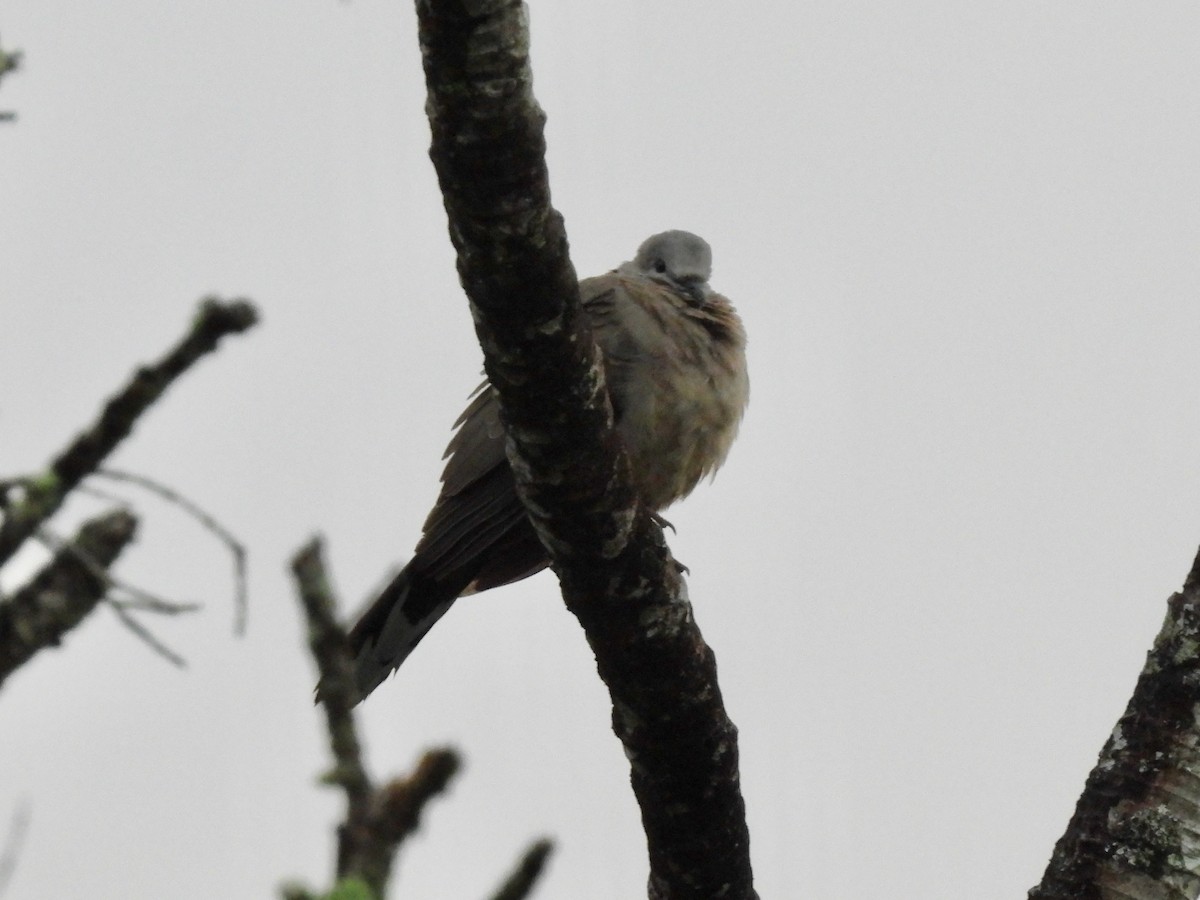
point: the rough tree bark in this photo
(617, 575)
(62, 594)
(1135, 834)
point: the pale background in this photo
(964, 240)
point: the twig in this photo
(45, 493)
(150, 604)
(236, 549)
(10, 61)
(11, 854)
(63, 592)
(91, 490)
(139, 598)
(520, 883)
(147, 637)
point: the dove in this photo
(674, 360)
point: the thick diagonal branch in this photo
(1135, 833)
(61, 595)
(43, 495)
(617, 574)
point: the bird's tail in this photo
(395, 623)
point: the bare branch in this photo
(44, 494)
(377, 819)
(398, 804)
(63, 592)
(520, 883)
(327, 643)
(138, 598)
(87, 490)
(9, 856)
(617, 574)
(10, 61)
(1136, 829)
(236, 549)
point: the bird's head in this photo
(678, 258)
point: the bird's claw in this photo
(662, 523)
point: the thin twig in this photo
(45, 493)
(139, 598)
(520, 883)
(147, 637)
(10, 61)
(152, 604)
(107, 496)
(236, 549)
(17, 830)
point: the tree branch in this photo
(10, 61)
(1135, 833)
(61, 595)
(378, 819)
(43, 495)
(617, 574)
(237, 551)
(520, 883)
(14, 840)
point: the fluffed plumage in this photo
(674, 357)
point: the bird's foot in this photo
(662, 523)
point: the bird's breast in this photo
(677, 375)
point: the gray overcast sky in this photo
(964, 240)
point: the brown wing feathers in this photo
(673, 353)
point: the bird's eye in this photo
(660, 266)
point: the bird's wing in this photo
(477, 512)
(478, 443)
(478, 503)
(477, 447)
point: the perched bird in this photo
(674, 359)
